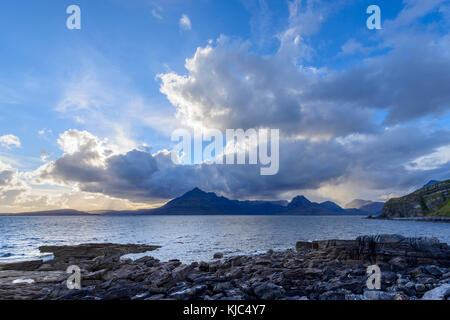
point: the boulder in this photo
(439, 293)
(268, 291)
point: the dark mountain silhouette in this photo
(372, 207)
(300, 205)
(431, 182)
(199, 202)
(61, 212)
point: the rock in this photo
(354, 297)
(97, 275)
(222, 287)
(92, 250)
(203, 266)
(180, 273)
(420, 287)
(379, 295)
(409, 289)
(398, 264)
(268, 291)
(433, 270)
(313, 272)
(189, 293)
(22, 266)
(218, 255)
(333, 295)
(353, 285)
(156, 297)
(105, 263)
(148, 261)
(331, 270)
(400, 296)
(160, 277)
(46, 267)
(439, 293)
(121, 293)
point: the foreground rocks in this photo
(81, 255)
(412, 268)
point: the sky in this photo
(86, 116)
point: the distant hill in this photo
(199, 202)
(371, 207)
(300, 205)
(59, 213)
(431, 200)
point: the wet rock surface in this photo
(411, 269)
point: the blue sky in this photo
(112, 80)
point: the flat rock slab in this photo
(21, 285)
(81, 252)
(92, 250)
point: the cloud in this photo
(229, 87)
(410, 82)
(99, 97)
(11, 187)
(185, 22)
(156, 13)
(140, 176)
(8, 141)
(413, 10)
(352, 47)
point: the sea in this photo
(195, 238)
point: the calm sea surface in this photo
(195, 238)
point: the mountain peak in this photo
(299, 202)
(196, 190)
(431, 182)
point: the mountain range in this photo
(199, 202)
(365, 205)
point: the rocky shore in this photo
(436, 219)
(411, 269)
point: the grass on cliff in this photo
(444, 211)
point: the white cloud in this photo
(227, 86)
(156, 14)
(10, 140)
(431, 161)
(185, 22)
(351, 47)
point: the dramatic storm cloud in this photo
(141, 176)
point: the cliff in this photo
(431, 200)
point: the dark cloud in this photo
(409, 83)
(378, 160)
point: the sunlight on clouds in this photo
(185, 22)
(431, 161)
(9, 140)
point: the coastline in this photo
(435, 219)
(412, 268)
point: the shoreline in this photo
(411, 269)
(436, 219)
